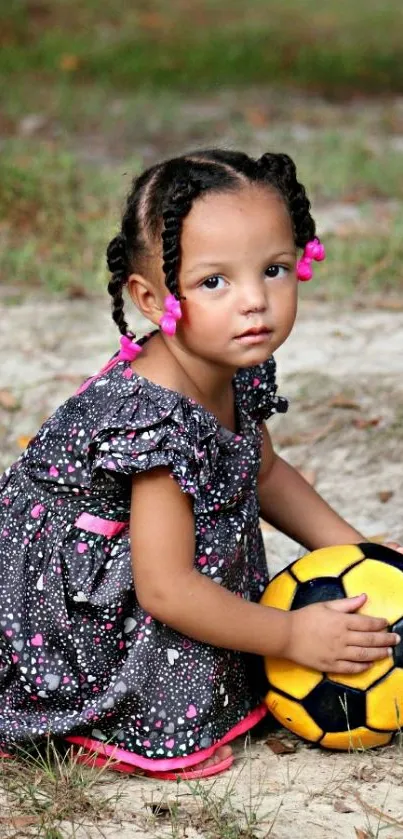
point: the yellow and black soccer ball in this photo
(339, 711)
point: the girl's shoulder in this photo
(256, 391)
(147, 426)
(135, 402)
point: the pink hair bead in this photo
(129, 350)
(304, 270)
(168, 324)
(313, 250)
(172, 313)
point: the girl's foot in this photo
(221, 760)
(222, 753)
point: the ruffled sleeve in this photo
(256, 391)
(144, 433)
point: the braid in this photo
(280, 171)
(125, 251)
(176, 208)
(117, 260)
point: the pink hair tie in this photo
(172, 312)
(129, 350)
(313, 250)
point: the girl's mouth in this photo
(254, 335)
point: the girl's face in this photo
(238, 277)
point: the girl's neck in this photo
(174, 368)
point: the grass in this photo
(331, 49)
(43, 790)
(363, 265)
(216, 810)
(94, 96)
(54, 216)
(58, 211)
(244, 806)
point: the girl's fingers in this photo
(395, 546)
(349, 667)
(366, 654)
(363, 623)
(373, 639)
(347, 604)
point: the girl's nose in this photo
(253, 299)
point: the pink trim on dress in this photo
(166, 764)
(96, 524)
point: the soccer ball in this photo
(340, 711)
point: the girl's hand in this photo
(395, 546)
(331, 638)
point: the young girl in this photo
(132, 562)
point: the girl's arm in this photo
(289, 503)
(169, 587)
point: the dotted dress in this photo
(78, 655)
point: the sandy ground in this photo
(342, 371)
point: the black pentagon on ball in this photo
(317, 591)
(336, 707)
(398, 650)
(372, 550)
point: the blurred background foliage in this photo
(328, 47)
(93, 92)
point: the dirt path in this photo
(343, 373)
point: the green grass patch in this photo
(347, 47)
(46, 791)
(56, 217)
(335, 165)
(362, 264)
(58, 212)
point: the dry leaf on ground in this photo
(19, 821)
(307, 437)
(343, 401)
(278, 747)
(360, 422)
(385, 494)
(341, 806)
(7, 400)
(23, 440)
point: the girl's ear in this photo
(145, 297)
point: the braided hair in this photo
(161, 198)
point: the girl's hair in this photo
(163, 195)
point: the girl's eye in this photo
(212, 283)
(277, 271)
